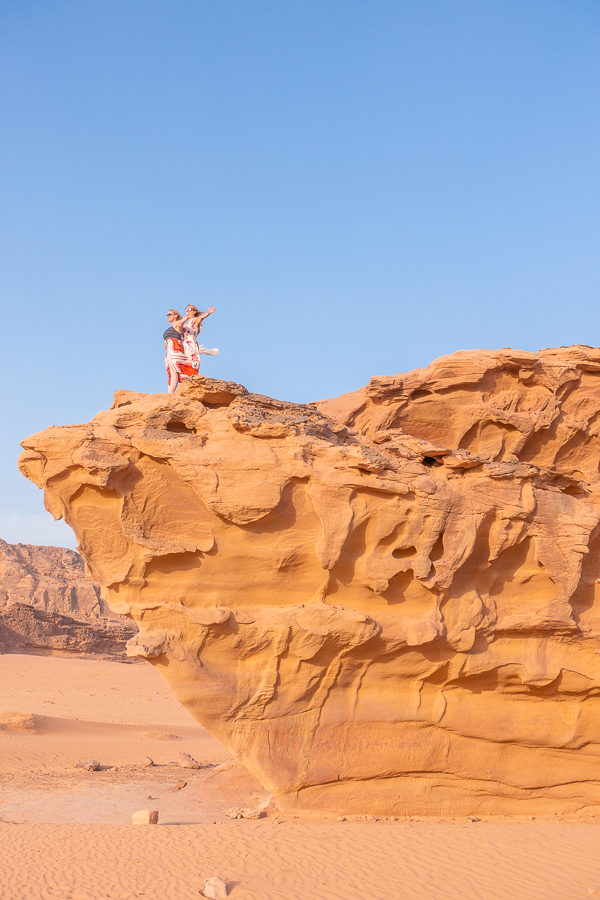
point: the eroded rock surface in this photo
(381, 603)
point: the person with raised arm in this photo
(191, 328)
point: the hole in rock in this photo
(575, 490)
(404, 553)
(179, 427)
(172, 564)
(416, 395)
(431, 461)
(437, 551)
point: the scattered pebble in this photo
(185, 761)
(215, 888)
(145, 817)
(355, 818)
(236, 813)
(91, 765)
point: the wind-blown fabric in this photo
(192, 350)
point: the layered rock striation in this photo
(386, 602)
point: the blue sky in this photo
(358, 187)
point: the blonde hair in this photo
(195, 308)
(175, 313)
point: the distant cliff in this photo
(52, 579)
(24, 629)
(48, 605)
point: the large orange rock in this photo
(381, 603)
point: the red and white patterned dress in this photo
(177, 363)
(190, 344)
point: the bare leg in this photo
(173, 383)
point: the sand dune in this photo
(65, 833)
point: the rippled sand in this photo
(65, 832)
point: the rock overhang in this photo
(367, 615)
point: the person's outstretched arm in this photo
(200, 319)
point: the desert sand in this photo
(65, 833)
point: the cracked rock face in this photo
(384, 603)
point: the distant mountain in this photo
(51, 579)
(48, 605)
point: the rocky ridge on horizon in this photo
(385, 602)
(49, 605)
(25, 629)
(51, 579)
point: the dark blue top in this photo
(172, 333)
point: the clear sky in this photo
(358, 186)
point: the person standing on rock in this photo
(178, 365)
(191, 328)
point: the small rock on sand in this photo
(159, 736)
(236, 813)
(185, 761)
(214, 888)
(145, 817)
(146, 761)
(92, 765)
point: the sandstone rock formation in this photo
(382, 603)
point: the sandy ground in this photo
(65, 832)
